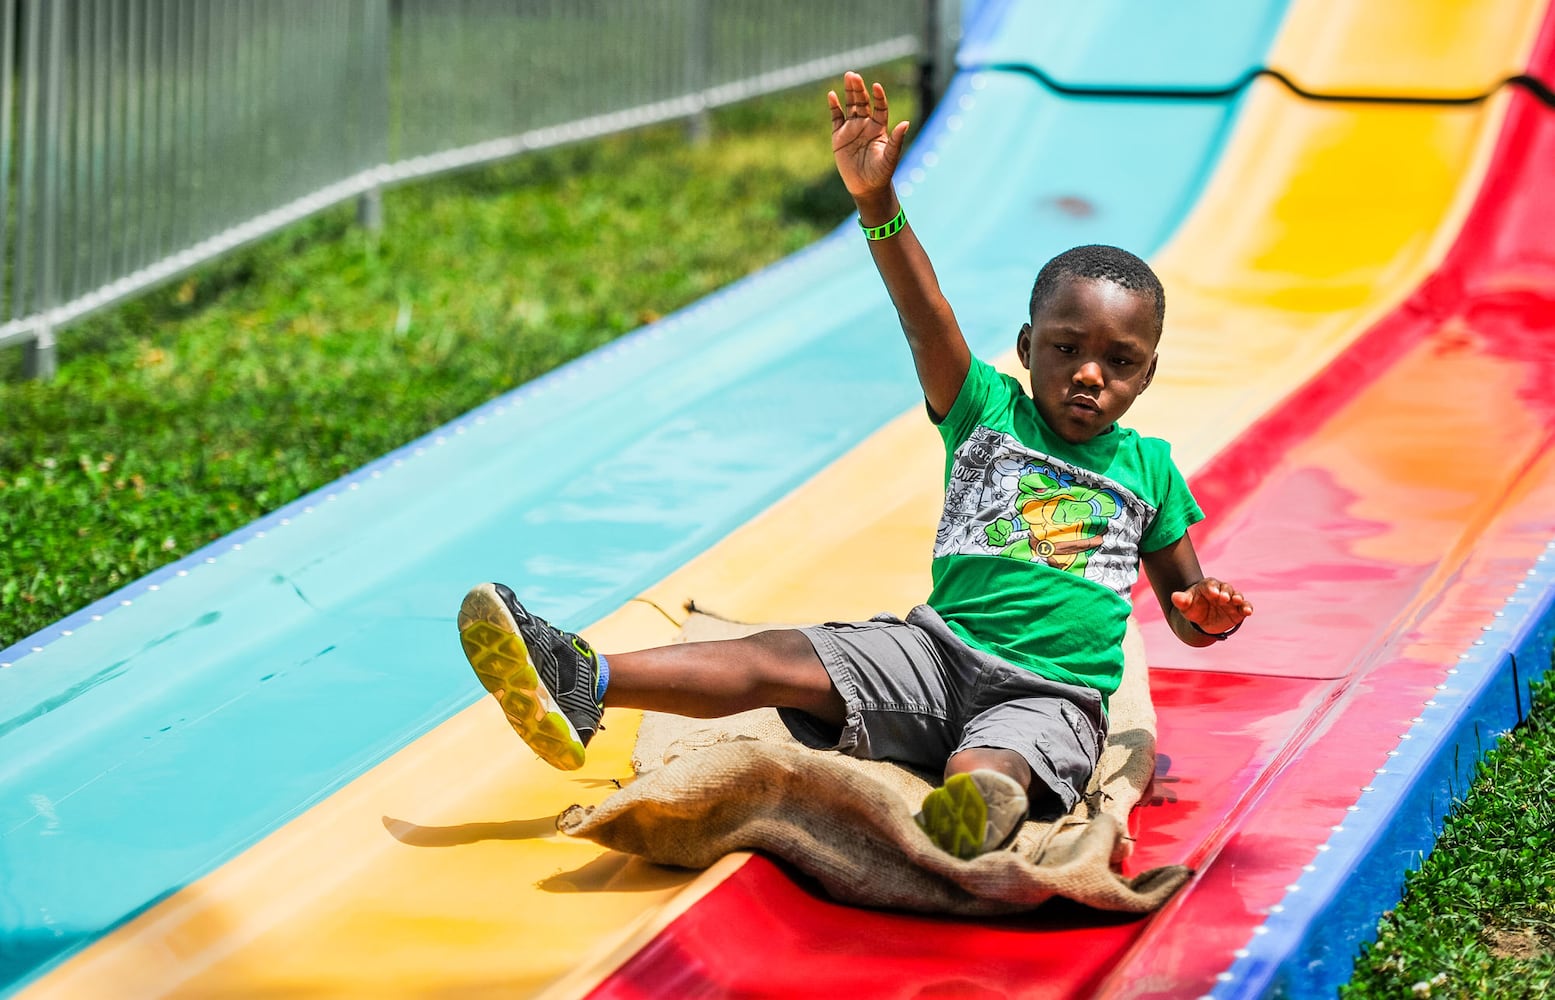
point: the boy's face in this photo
(1089, 349)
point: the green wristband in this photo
(885, 230)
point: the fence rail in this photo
(140, 138)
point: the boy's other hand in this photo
(865, 150)
(1213, 605)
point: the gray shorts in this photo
(916, 693)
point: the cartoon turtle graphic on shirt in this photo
(1060, 522)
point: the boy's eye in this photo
(1064, 348)
(1123, 362)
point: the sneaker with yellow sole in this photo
(546, 680)
(974, 813)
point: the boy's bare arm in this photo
(1190, 598)
(867, 152)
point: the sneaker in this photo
(544, 678)
(974, 813)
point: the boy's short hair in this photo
(1098, 260)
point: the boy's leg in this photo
(774, 669)
(553, 686)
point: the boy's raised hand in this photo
(865, 150)
(1213, 605)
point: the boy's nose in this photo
(1089, 374)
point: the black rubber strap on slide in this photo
(1536, 87)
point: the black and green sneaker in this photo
(974, 813)
(545, 679)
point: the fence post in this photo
(699, 127)
(41, 359)
(377, 26)
(928, 91)
(937, 61)
(369, 210)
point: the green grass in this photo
(1478, 918)
(188, 413)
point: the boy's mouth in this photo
(1083, 403)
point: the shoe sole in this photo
(501, 660)
(960, 815)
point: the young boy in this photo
(1001, 680)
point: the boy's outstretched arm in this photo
(867, 152)
(1190, 598)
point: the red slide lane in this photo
(1377, 516)
(1404, 522)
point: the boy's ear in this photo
(1150, 372)
(1023, 346)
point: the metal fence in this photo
(139, 138)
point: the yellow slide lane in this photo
(1405, 48)
(440, 873)
(1321, 218)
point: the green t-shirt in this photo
(1039, 543)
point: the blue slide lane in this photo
(160, 732)
(1146, 42)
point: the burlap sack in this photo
(705, 789)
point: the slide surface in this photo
(260, 774)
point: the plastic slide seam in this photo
(1535, 87)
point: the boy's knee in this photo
(784, 656)
(1044, 803)
(792, 675)
(1006, 762)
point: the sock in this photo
(603, 680)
